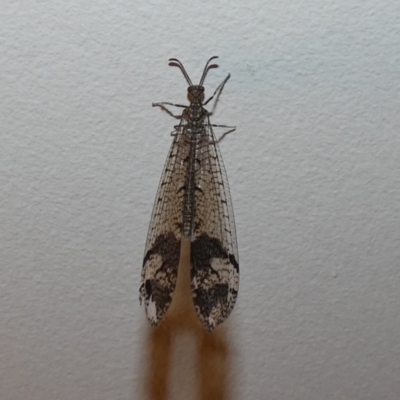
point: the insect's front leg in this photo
(218, 89)
(164, 103)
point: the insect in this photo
(192, 201)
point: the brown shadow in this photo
(212, 348)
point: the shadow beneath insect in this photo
(210, 358)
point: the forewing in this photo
(162, 251)
(214, 253)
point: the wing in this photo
(162, 251)
(214, 253)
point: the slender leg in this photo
(162, 105)
(220, 87)
(168, 104)
(225, 133)
(224, 126)
(230, 129)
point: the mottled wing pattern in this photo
(214, 254)
(162, 251)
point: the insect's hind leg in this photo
(230, 130)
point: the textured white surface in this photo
(314, 170)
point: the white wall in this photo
(314, 170)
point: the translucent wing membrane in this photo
(214, 254)
(162, 251)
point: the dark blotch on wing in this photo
(168, 247)
(162, 286)
(205, 248)
(210, 294)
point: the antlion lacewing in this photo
(193, 201)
